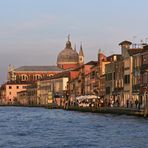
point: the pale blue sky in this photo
(33, 32)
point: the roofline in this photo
(17, 84)
(114, 55)
(125, 41)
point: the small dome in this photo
(68, 55)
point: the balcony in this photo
(118, 89)
(126, 68)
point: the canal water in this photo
(43, 128)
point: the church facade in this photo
(29, 74)
(68, 58)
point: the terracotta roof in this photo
(135, 51)
(88, 63)
(38, 68)
(110, 58)
(61, 75)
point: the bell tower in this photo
(125, 45)
(81, 55)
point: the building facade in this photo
(29, 74)
(144, 76)
(9, 92)
(119, 80)
(102, 61)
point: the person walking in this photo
(131, 102)
(136, 103)
(118, 104)
(127, 103)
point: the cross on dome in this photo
(68, 37)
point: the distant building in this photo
(122, 78)
(29, 74)
(128, 69)
(56, 85)
(91, 80)
(66, 59)
(69, 58)
(136, 80)
(102, 61)
(82, 82)
(9, 92)
(114, 77)
(132, 63)
(119, 80)
(144, 72)
(22, 98)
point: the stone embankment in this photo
(108, 110)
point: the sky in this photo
(33, 32)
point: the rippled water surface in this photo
(39, 127)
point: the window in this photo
(10, 87)
(24, 77)
(107, 90)
(145, 59)
(24, 87)
(10, 93)
(93, 75)
(127, 79)
(126, 64)
(145, 77)
(36, 77)
(50, 75)
(109, 77)
(17, 87)
(114, 75)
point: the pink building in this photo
(10, 92)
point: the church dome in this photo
(68, 55)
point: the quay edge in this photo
(109, 110)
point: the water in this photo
(43, 128)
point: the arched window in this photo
(24, 77)
(37, 77)
(49, 75)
